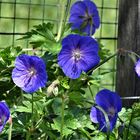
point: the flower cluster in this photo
(4, 114)
(78, 54)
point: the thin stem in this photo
(91, 91)
(132, 53)
(127, 134)
(101, 63)
(64, 14)
(32, 108)
(61, 21)
(10, 132)
(106, 119)
(62, 118)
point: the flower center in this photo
(76, 54)
(32, 71)
(111, 112)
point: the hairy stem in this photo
(10, 132)
(64, 14)
(62, 118)
(91, 91)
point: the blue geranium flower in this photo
(111, 103)
(84, 17)
(29, 73)
(137, 67)
(4, 114)
(78, 53)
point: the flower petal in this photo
(19, 77)
(106, 99)
(32, 85)
(96, 115)
(22, 62)
(4, 114)
(89, 50)
(137, 67)
(76, 21)
(70, 68)
(90, 6)
(23, 77)
(87, 29)
(113, 122)
(78, 8)
(71, 41)
(96, 21)
(88, 44)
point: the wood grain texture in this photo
(127, 82)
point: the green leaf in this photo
(76, 97)
(43, 33)
(65, 82)
(23, 109)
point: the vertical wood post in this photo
(127, 82)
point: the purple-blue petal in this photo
(70, 68)
(80, 14)
(88, 62)
(24, 79)
(106, 99)
(78, 8)
(96, 22)
(88, 50)
(113, 122)
(91, 7)
(96, 115)
(76, 21)
(71, 41)
(22, 62)
(137, 67)
(4, 114)
(88, 44)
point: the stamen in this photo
(32, 71)
(76, 54)
(111, 112)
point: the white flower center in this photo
(111, 112)
(76, 54)
(32, 71)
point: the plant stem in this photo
(32, 109)
(91, 91)
(106, 119)
(10, 132)
(61, 21)
(62, 118)
(131, 52)
(64, 14)
(127, 134)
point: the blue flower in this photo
(84, 17)
(137, 67)
(29, 73)
(4, 114)
(111, 103)
(78, 53)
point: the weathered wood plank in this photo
(127, 82)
